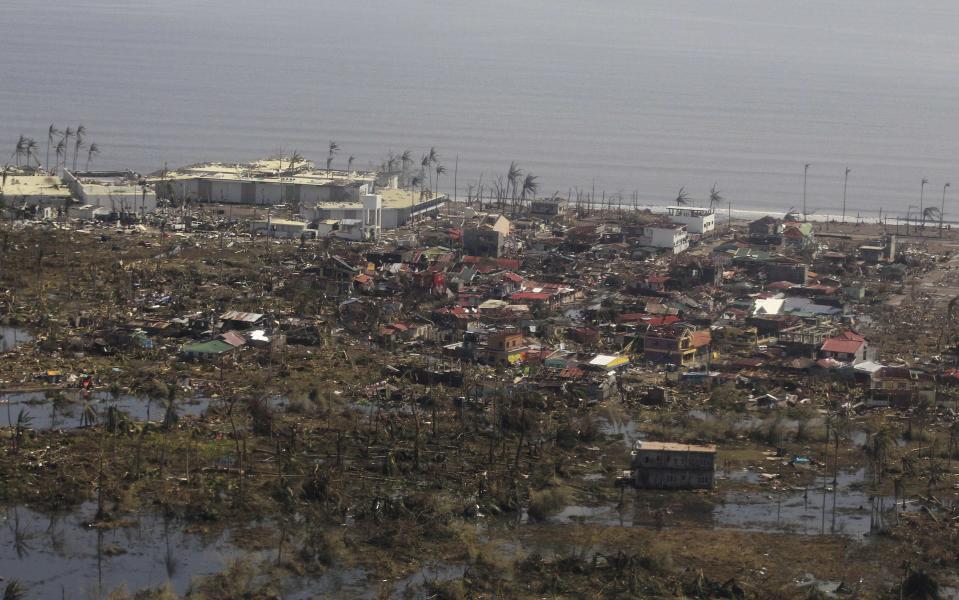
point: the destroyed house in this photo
(665, 465)
(679, 345)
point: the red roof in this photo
(846, 342)
(513, 277)
(538, 296)
(361, 278)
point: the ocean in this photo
(630, 97)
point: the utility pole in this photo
(845, 181)
(943, 208)
(805, 174)
(922, 188)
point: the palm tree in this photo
(67, 134)
(349, 163)
(92, 151)
(329, 159)
(529, 188)
(425, 169)
(415, 181)
(512, 177)
(61, 152)
(296, 157)
(52, 131)
(19, 149)
(81, 131)
(682, 197)
(440, 169)
(14, 591)
(714, 197)
(405, 159)
(30, 149)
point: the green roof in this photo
(209, 347)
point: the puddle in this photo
(11, 337)
(72, 413)
(337, 583)
(414, 586)
(627, 430)
(831, 589)
(50, 554)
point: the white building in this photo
(394, 210)
(697, 220)
(20, 189)
(670, 237)
(263, 183)
(121, 192)
(280, 228)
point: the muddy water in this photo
(847, 509)
(11, 337)
(44, 413)
(56, 555)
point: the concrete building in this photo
(264, 183)
(488, 237)
(665, 465)
(280, 228)
(548, 208)
(395, 208)
(121, 192)
(697, 220)
(669, 237)
(45, 191)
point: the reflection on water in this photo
(11, 337)
(849, 509)
(76, 409)
(50, 553)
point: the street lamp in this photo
(943, 208)
(845, 181)
(805, 173)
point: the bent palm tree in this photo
(529, 188)
(349, 163)
(61, 152)
(329, 158)
(512, 177)
(714, 197)
(682, 197)
(92, 151)
(405, 160)
(415, 181)
(440, 170)
(30, 149)
(51, 132)
(81, 131)
(296, 157)
(19, 149)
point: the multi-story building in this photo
(666, 236)
(666, 465)
(697, 220)
(679, 345)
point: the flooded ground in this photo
(58, 555)
(11, 337)
(75, 408)
(848, 508)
